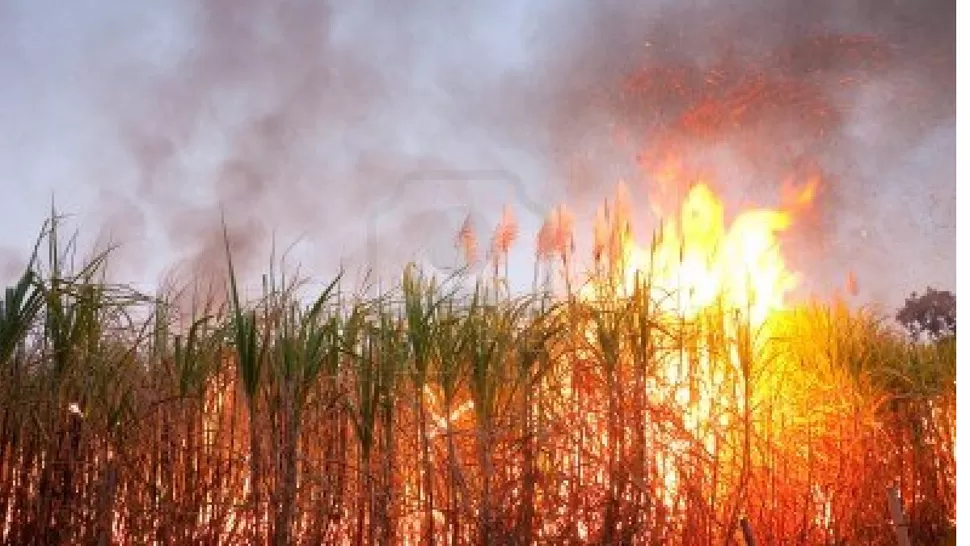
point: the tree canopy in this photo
(932, 314)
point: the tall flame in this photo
(697, 261)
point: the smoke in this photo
(294, 118)
(752, 94)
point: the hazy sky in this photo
(329, 122)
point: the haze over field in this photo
(328, 121)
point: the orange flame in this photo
(697, 261)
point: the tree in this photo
(932, 314)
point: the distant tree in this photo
(932, 314)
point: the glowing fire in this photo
(697, 262)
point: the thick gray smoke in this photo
(298, 118)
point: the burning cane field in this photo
(437, 273)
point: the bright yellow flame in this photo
(696, 262)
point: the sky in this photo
(362, 133)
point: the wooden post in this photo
(900, 525)
(748, 533)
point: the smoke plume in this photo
(293, 119)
